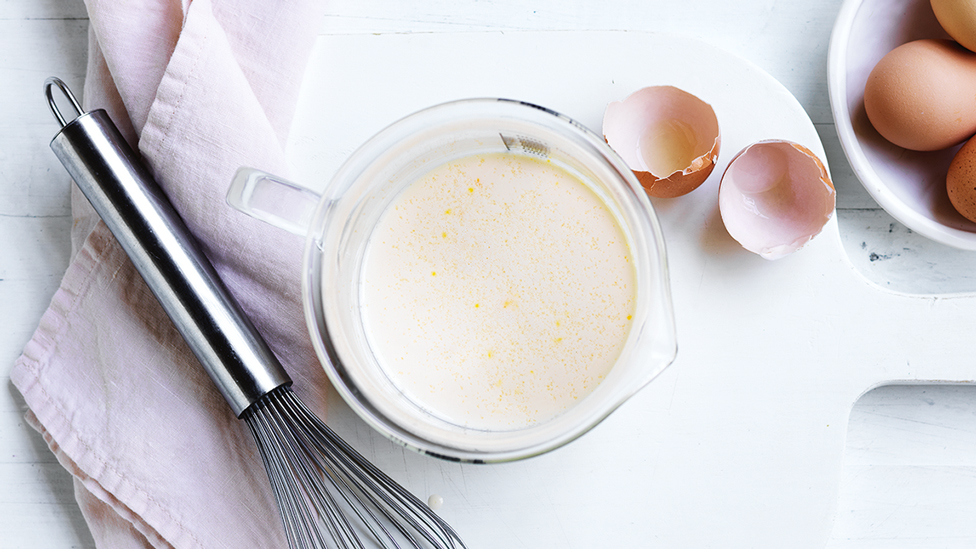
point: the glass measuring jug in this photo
(338, 226)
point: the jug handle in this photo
(274, 200)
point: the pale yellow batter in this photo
(498, 290)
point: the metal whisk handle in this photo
(143, 220)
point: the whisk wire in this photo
(394, 496)
(286, 493)
(328, 494)
(354, 467)
(299, 482)
(321, 499)
(340, 471)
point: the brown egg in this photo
(958, 18)
(961, 181)
(922, 95)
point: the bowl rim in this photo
(869, 178)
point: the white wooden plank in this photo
(32, 182)
(39, 38)
(787, 39)
(910, 473)
(39, 509)
(35, 254)
(34, 245)
(895, 257)
(43, 9)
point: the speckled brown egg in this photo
(920, 96)
(961, 181)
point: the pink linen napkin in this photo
(158, 458)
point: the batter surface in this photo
(498, 291)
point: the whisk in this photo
(328, 495)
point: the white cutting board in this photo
(740, 442)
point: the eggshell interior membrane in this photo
(669, 137)
(774, 197)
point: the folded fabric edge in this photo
(93, 489)
(113, 531)
(74, 453)
(201, 33)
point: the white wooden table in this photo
(910, 468)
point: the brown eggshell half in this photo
(961, 181)
(774, 197)
(667, 136)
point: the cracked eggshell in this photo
(774, 197)
(667, 136)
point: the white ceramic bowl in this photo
(909, 185)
